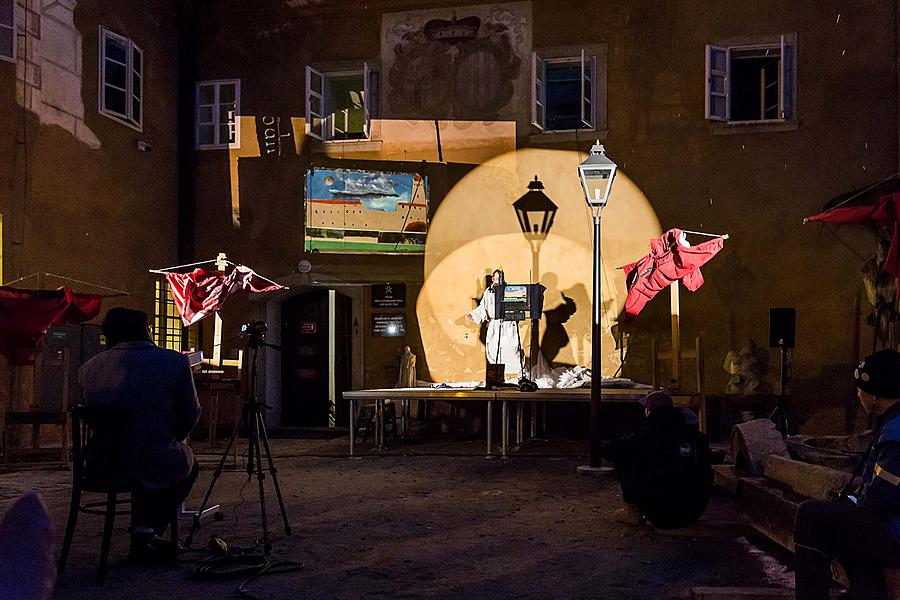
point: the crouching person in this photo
(862, 529)
(664, 468)
(155, 388)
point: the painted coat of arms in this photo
(454, 67)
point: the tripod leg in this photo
(195, 524)
(274, 472)
(260, 476)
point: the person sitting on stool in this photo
(156, 387)
(861, 530)
(664, 468)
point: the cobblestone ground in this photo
(412, 523)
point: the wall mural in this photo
(461, 64)
(365, 211)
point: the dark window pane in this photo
(115, 74)
(205, 114)
(226, 93)
(6, 12)
(207, 94)
(754, 84)
(115, 101)
(224, 135)
(562, 82)
(344, 102)
(137, 61)
(136, 83)
(7, 39)
(207, 134)
(116, 50)
(136, 111)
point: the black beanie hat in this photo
(879, 374)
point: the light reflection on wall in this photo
(475, 230)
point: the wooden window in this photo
(751, 83)
(564, 92)
(121, 79)
(340, 105)
(217, 106)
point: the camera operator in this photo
(156, 388)
(862, 531)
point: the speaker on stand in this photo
(782, 335)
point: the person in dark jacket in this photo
(664, 468)
(155, 388)
(862, 529)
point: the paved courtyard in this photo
(415, 523)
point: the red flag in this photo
(671, 258)
(885, 212)
(26, 315)
(200, 293)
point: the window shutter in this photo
(588, 86)
(137, 85)
(537, 91)
(315, 84)
(8, 29)
(717, 83)
(786, 98)
(367, 101)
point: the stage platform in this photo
(503, 395)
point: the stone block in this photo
(813, 481)
(59, 45)
(62, 88)
(748, 593)
(752, 443)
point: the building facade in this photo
(369, 155)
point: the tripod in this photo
(252, 416)
(781, 416)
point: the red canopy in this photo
(26, 315)
(886, 212)
(670, 259)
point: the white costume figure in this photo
(502, 343)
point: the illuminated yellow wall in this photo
(475, 229)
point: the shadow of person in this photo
(555, 335)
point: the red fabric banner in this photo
(200, 293)
(26, 315)
(886, 213)
(671, 258)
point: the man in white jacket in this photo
(502, 345)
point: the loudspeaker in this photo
(782, 327)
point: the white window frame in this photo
(322, 126)
(11, 28)
(127, 118)
(590, 115)
(787, 79)
(218, 144)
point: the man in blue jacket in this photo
(862, 530)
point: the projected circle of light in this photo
(475, 230)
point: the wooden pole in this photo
(221, 264)
(676, 334)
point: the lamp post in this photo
(596, 174)
(535, 212)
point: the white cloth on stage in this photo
(502, 345)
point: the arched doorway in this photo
(316, 341)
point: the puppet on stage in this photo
(502, 345)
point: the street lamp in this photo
(535, 212)
(596, 174)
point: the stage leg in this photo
(352, 424)
(504, 429)
(490, 428)
(533, 409)
(520, 422)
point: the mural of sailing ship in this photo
(365, 211)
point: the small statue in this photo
(744, 370)
(407, 376)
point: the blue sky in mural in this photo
(376, 190)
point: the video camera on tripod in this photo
(254, 332)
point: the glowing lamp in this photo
(597, 173)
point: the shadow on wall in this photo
(834, 414)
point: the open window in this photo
(217, 106)
(121, 79)
(340, 105)
(564, 91)
(751, 83)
